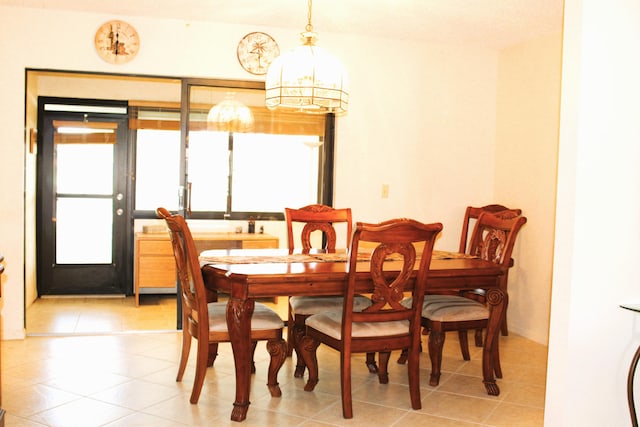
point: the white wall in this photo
(526, 151)
(422, 117)
(596, 264)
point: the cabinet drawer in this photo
(260, 244)
(155, 247)
(157, 272)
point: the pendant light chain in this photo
(309, 27)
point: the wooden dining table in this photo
(247, 274)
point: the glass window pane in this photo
(83, 231)
(208, 170)
(157, 169)
(272, 172)
(84, 168)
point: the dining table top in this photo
(278, 266)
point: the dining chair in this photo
(387, 324)
(205, 319)
(493, 239)
(322, 219)
(471, 215)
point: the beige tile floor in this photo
(73, 371)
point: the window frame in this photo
(325, 169)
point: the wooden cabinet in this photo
(154, 266)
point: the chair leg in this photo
(184, 356)
(201, 371)
(278, 351)
(402, 359)
(383, 372)
(464, 344)
(308, 347)
(371, 363)
(436, 343)
(289, 331)
(413, 358)
(478, 336)
(497, 368)
(253, 352)
(345, 384)
(503, 327)
(213, 353)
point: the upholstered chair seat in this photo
(451, 308)
(263, 318)
(307, 306)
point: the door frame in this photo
(123, 233)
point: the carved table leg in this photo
(278, 351)
(239, 314)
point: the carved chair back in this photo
(391, 266)
(494, 237)
(472, 213)
(317, 218)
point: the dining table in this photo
(247, 274)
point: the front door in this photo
(83, 209)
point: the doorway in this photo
(83, 208)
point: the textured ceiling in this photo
(489, 23)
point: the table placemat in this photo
(293, 258)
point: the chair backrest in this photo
(494, 237)
(317, 218)
(472, 213)
(191, 283)
(391, 268)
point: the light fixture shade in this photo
(230, 115)
(307, 79)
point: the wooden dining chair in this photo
(321, 219)
(470, 216)
(205, 319)
(472, 213)
(493, 239)
(386, 325)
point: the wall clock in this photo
(117, 42)
(256, 51)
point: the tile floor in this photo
(73, 371)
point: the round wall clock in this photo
(256, 51)
(117, 42)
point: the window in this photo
(279, 162)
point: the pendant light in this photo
(307, 79)
(230, 115)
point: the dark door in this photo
(83, 208)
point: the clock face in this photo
(117, 42)
(256, 51)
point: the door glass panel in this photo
(84, 182)
(83, 230)
(84, 168)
